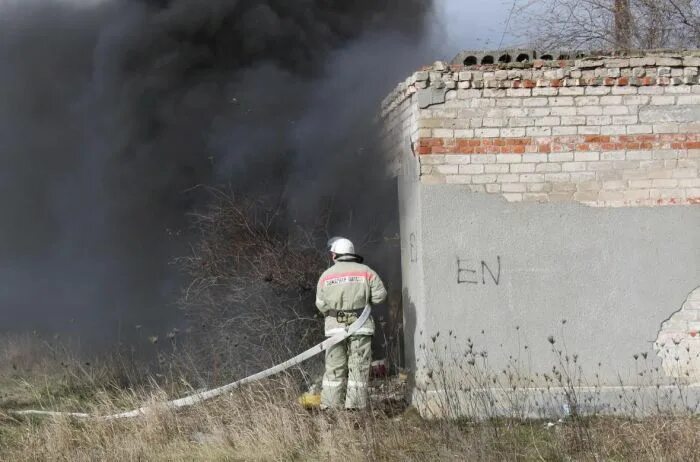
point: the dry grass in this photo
(265, 422)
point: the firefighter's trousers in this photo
(347, 373)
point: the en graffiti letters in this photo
(481, 273)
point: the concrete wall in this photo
(549, 217)
(614, 274)
(400, 122)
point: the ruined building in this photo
(550, 220)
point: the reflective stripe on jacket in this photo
(348, 285)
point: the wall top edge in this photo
(519, 58)
(651, 67)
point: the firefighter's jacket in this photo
(348, 285)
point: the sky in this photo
(471, 24)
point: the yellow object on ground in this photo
(310, 400)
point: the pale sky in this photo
(472, 24)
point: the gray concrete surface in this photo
(554, 403)
(412, 276)
(600, 281)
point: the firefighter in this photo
(343, 292)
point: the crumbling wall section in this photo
(678, 343)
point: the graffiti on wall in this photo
(413, 248)
(478, 271)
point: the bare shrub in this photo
(455, 380)
(252, 281)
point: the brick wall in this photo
(600, 131)
(678, 343)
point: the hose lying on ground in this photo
(209, 394)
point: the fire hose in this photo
(199, 397)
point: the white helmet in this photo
(341, 246)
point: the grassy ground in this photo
(265, 422)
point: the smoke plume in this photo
(112, 111)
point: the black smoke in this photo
(112, 112)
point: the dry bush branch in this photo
(252, 279)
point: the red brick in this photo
(430, 142)
(546, 144)
(596, 139)
(463, 144)
(521, 141)
(648, 137)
